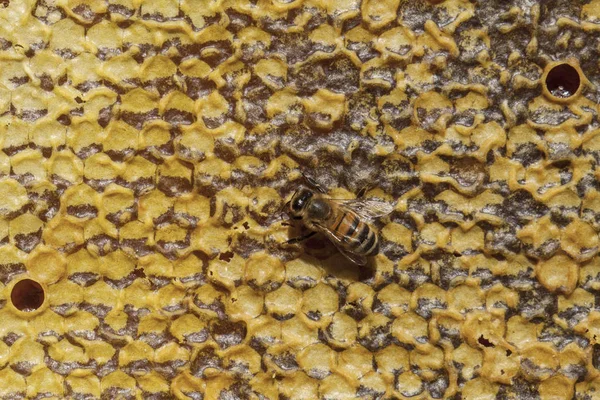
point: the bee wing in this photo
(357, 259)
(369, 209)
(338, 241)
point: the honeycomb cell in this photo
(28, 357)
(67, 353)
(119, 70)
(138, 353)
(65, 167)
(465, 298)
(212, 239)
(427, 360)
(82, 264)
(27, 295)
(193, 145)
(228, 272)
(479, 388)
(118, 382)
(299, 386)
(79, 322)
(355, 362)
(100, 167)
(245, 303)
(409, 384)
(284, 302)
(580, 240)
(29, 165)
(324, 108)
(44, 381)
(169, 299)
(481, 328)
(558, 387)
(153, 384)
(301, 273)
(46, 265)
(117, 265)
(172, 356)
(562, 80)
(471, 360)
(295, 330)
(84, 385)
(410, 328)
(558, 274)
(15, 383)
(14, 196)
(264, 272)
(25, 232)
(320, 301)
(335, 386)
(394, 299)
(500, 365)
(539, 362)
(100, 236)
(342, 331)
(373, 331)
(102, 295)
(521, 332)
(317, 360)
(121, 141)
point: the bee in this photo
(345, 222)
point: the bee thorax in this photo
(318, 209)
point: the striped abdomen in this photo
(357, 236)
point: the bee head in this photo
(299, 201)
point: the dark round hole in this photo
(27, 295)
(563, 81)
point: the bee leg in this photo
(362, 191)
(300, 238)
(314, 183)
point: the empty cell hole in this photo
(563, 81)
(485, 342)
(27, 295)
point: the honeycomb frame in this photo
(148, 148)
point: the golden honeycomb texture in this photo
(147, 149)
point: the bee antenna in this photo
(282, 214)
(313, 183)
(283, 206)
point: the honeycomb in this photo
(148, 148)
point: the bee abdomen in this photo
(361, 238)
(367, 243)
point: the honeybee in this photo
(344, 222)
